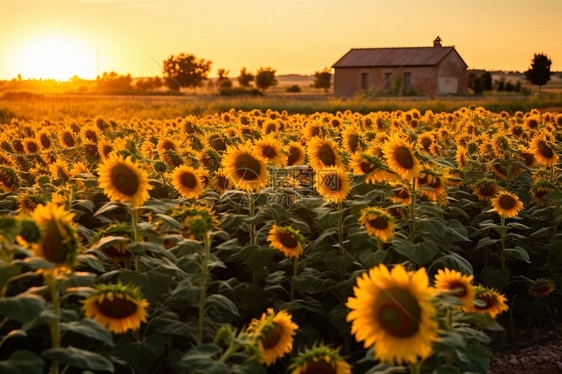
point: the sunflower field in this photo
(263, 242)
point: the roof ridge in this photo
(448, 46)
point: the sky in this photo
(61, 38)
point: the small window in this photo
(407, 81)
(387, 81)
(364, 81)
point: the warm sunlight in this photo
(57, 58)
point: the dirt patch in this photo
(544, 356)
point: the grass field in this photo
(167, 107)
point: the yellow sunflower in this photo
(169, 151)
(105, 148)
(44, 138)
(542, 287)
(67, 138)
(365, 164)
(456, 284)
(544, 152)
(489, 301)
(377, 222)
(401, 158)
(393, 312)
(286, 239)
(322, 153)
(274, 335)
(539, 191)
(245, 168)
(486, 189)
(9, 180)
(320, 359)
(90, 134)
(333, 184)
(269, 148)
(506, 204)
(221, 182)
(401, 193)
(437, 185)
(32, 146)
(123, 180)
(187, 181)
(528, 156)
(59, 242)
(59, 170)
(116, 307)
(295, 154)
(351, 139)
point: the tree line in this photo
(188, 71)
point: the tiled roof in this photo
(379, 57)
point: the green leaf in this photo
(456, 231)
(139, 248)
(433, 225)
(169, 221)
(419, 253)
(256, 257)
(107, 207)
(217, 303)
(92, 261)
(22, 362)
(79, 358)
(518, 253)
(89, 328)
(22, 308)
(454, 262)
(141, 355)
(496, 278)
(203, 359)
(8, 272)
(251, 367)
(541, 232)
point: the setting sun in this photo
(56, 57)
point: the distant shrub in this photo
(294, 88)
(239, 91)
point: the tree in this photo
(265, 78)
(223, 80)
(323, 79)
(185, 70)
(245, 78)
(539, 72)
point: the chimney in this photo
(437, 42)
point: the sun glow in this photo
(58, 58)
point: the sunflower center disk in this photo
(188, 180)
(487, 190)
(459, 289)
(124, 180)
(294, 154)
(398, 312)
(52, 244)
(326, 155)
(489, 300)
(353, 142)
(404, 158)
(545, 150)
(247, 167)
(319, 367)
(117, 308)
(289, 241)
(272, 337)
(379, 223)
(268, 152)
(507, 202)
(401, 194)
(68, 140)
(529, 159)
(331, 182)
(367, 167)
(436, 183)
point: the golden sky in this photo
(59, 38)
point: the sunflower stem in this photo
(502, 254)
(55, 324)
(229, 351)
(135, 221)
(415, 368)
(207, 245)
(413, 212)
(340, 227)
(295, 272)
(252, 224)
(379, 242)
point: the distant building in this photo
(430, 71)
